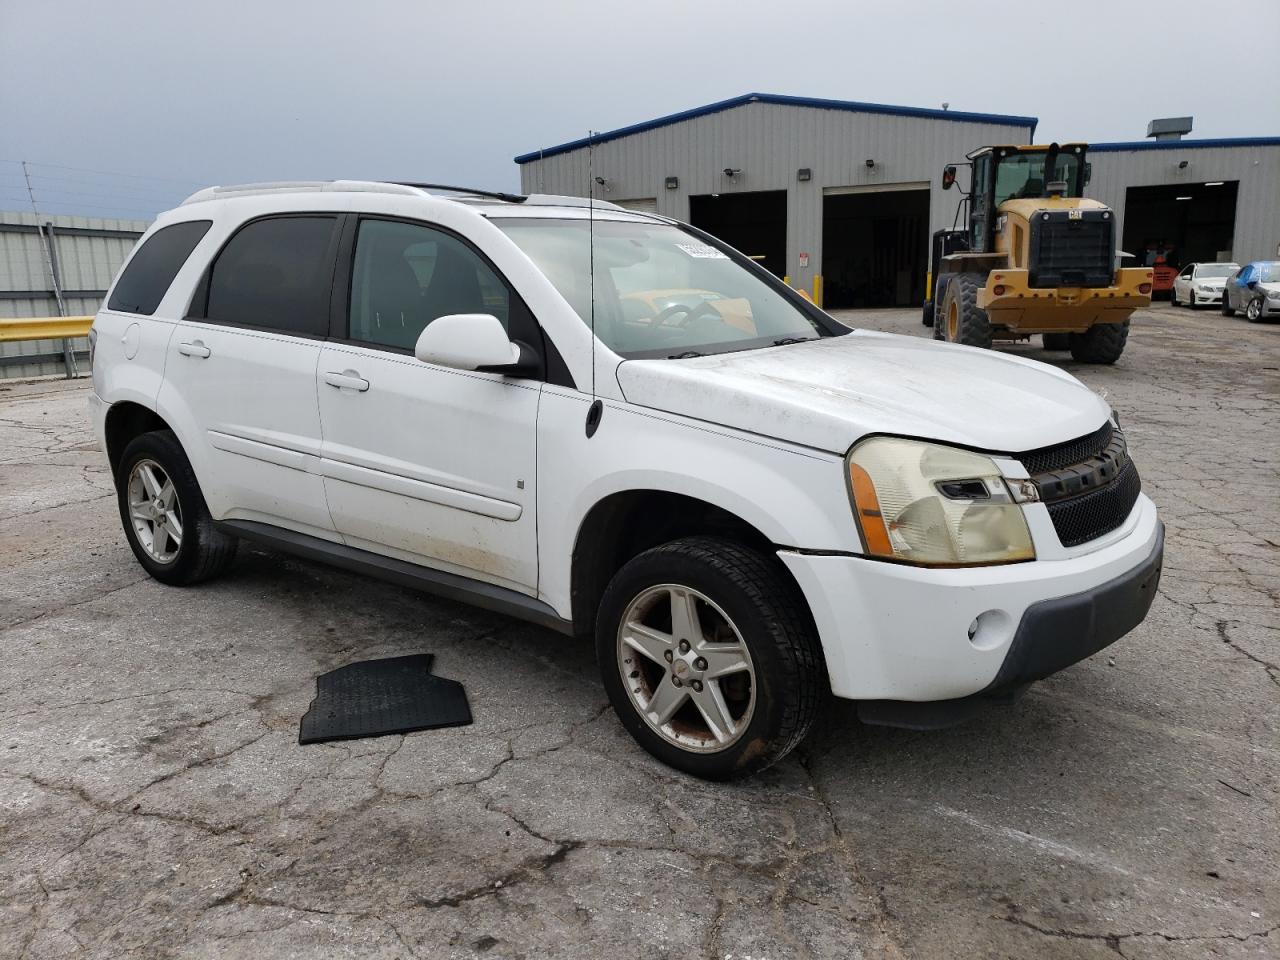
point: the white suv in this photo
(611, 424)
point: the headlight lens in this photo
(934, 505)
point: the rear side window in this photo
(150, 271)
(276, 274)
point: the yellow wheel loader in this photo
(1034, 257)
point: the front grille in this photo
(1089, 484)
(1069, 252)
(1067, 454)
(1091, 515)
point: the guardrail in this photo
(66, 329)
(13, 329)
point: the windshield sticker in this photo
(702, 251)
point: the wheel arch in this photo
(625, 523)
(124, 421)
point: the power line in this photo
(105, 173)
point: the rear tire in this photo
(1101, 343)
(1056, 341)
(962, 320)
(928, 313)
(750, 621)
(174, 512)
(1227, 309)
(939, 296)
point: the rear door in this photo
(244, 364)
(428, 463)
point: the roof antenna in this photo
(596, 410)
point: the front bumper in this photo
(896, 632)
(1028, 309)
(1207, 296)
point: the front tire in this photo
(710, 657)
(1173, 296)
(165, 518)
(928, 313)
(962, 320)
(1253, 312)
(1101, 343)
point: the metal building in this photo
(843, 190)
(849, 193)
(87, 252)
(1192, 200)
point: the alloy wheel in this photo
(686, 668)
(154, 511)
(1254, 310)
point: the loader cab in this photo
(1004, 173)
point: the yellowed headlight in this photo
(934, 505)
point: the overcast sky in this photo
(179, 95)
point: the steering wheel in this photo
(665, 318)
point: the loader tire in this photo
(962, 320)
(1101, 343)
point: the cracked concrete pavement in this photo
(154, 800)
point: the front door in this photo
(244, 365)
(429, 463)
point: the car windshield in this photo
(1268, 272)
(1216, 269)
(659, 290)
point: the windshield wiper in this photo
(788, 340)
(686, 355)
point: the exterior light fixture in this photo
(804, 174)
(1216, 183)
(1183, 164)
(673, 183)
(871, 164)
(732, 172)
(1182, 198)
(605, 184)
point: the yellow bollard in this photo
(817, 289)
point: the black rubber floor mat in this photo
(374, 698)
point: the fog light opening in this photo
(990, 630)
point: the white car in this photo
(613, 425)
(1198, 284)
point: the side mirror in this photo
(1252, 284)
(467, 341)
(948, 177)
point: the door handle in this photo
(347, 380)
(194, 349)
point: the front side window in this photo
(275, 274)
(150, 271)
(406, 275)
(1186, 271)
(659, 291)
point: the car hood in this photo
(1270, 286)
(831, 392)
(1212, 281)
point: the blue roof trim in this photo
(852, 106)
(1184, 144)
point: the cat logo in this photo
(1075, 214)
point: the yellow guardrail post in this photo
(817, 289)
(15, 329)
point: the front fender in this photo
(794, 496)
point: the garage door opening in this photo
(754, 223)
(1186, 223)
(875, 248)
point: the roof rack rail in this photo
(555, 200)
(302, 186)
(475, 191)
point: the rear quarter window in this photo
(149, 272)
